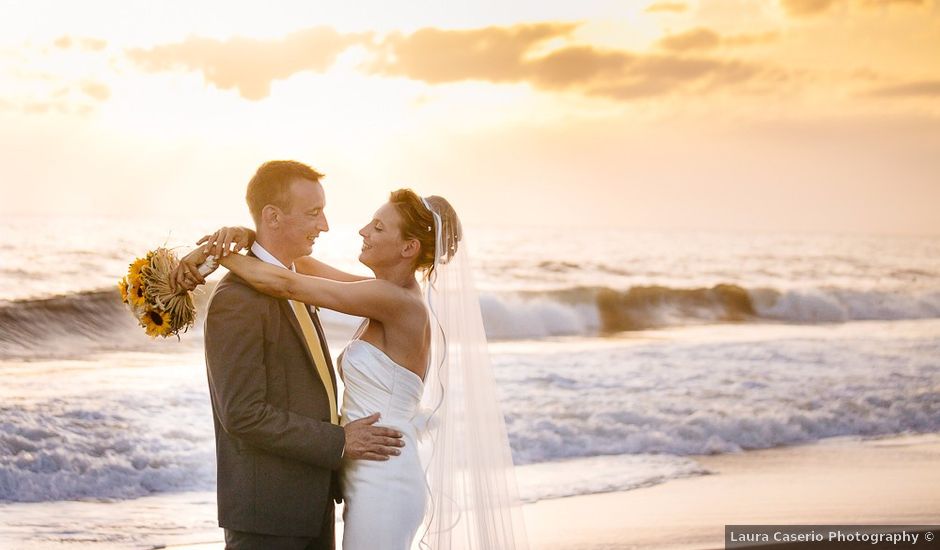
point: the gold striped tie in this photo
(316, 350)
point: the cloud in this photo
(96, 90)
(61, 77)
(924, 88)
(695, 39)
(878, 3)
(495, 54)
(661, 75)
(806, 8)
(93, 44)
(661, 7)
(803, 8)
(750, 39)
(525, 53)
(247, 64)
(577, 65)
(705, 39)
(624, 77)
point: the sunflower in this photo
(122, 286)
(136, 268)
(135, 281)
(136, 293)
(157, 323)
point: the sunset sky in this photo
(764, 115)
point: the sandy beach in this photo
(881, 481)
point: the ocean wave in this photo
(592, 310)
(835, 305)
(72, 326)
(109, 448)
(96, 320)
(103, 448)
(616, 433)
(713, 397)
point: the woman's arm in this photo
(234, 239)
(225, 240)
(373, 298)
(311, 266)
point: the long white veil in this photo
(473, 500)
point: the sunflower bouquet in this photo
(157, 306)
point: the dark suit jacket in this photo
(276, 449)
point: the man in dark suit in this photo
(278, 441)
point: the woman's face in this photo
(381, 238)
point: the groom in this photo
(273, 391)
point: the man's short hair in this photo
(271, 185)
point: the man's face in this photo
(305, 219)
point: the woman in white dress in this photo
(412, 336)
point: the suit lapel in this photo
(292, 318)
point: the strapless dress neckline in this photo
(388, 359)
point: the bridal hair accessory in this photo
(146, 291)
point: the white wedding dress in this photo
(384, 501)
(463, 495)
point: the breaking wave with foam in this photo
(105, 446)
(590, 311)
(96, 320)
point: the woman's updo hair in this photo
(418, 223)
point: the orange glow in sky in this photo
(815, 115)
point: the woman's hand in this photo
(187, 277)
(228, 240)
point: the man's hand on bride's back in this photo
(367, 442)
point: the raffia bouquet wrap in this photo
(147, 293)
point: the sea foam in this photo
(105, 447)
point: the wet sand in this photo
(845, 481)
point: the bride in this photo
(420, 360)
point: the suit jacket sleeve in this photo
(234, 336)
